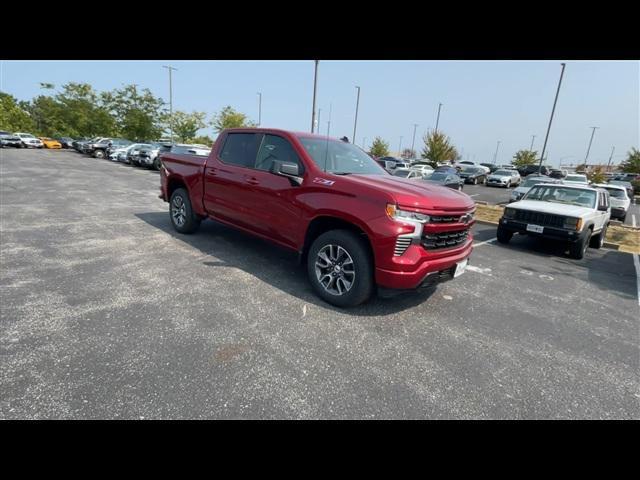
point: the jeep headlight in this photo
(397, 214)
(573, 223)
(509, 212)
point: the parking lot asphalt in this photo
(500, 196)
(108, 313)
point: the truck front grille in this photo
(402, 243)
(433, 241)
(538, 218)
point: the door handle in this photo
(211, 172)
(252, 181)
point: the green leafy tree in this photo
(48, 115)
(596, 175)
(379, 148)
(186, 125)
(438, 148)
(229, 118)
(632, 163)
(13, 118)
(82, 113)
(203, 140)
(522, 158)
(137, 113)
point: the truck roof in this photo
(280, 130)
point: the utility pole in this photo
(544, 146)
(355, 123)
(170, 100)
(400, 146)
(613, 149)
(533, 137)
(319, 112)
(313, 108)
(259, 108)
(593, 132)
(438, 117)
(415, 125)
(495, 155)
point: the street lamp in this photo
(170, 100)
(593, 132)
(533, 137)
(415, 125)
(544, 146)
(313, 108)
(355, 122)
(259, 108)
(438, 117)
(400, 146)
(495, 155)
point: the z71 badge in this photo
(323, 181)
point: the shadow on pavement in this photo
(276, 266)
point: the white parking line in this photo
(636, 262)
(486, 241)
(474, 195)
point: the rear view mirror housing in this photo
(287, 169)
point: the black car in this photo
(446, 179)
(447, 169)
(473, 175)
(555, 173)
(491, 166)
(66, 142)
(531, 169)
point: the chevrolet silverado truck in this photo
(355, 227)
(576, 215)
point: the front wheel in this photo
(598, 241)
(579, 248)
(340, 268)
(98, 154)
(183, 219)
(504, 235)
(156, 164)
(475, 181)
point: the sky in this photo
(483, 101)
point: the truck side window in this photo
(275, 148)
(240, 149)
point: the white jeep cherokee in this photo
(578, 215)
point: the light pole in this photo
(355, 122)
(438, 117)
(315, 86)
(613, 149)
(413, 142)
(170, 100)
(544, 146)
(400, 146)
(593, 132)
(259, 108)
(495, 155)
(319, 112)
(533, 137)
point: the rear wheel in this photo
(156, 164)
(504, 235)
(340, 268)
(183, 218)
(98, 154)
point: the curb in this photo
(486, 222)
(612, 246)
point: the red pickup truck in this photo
(356, 227)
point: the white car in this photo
(578, 215)
(422, 168)
(29, 141)
(468, 163)
(408, 173)
(527, 183)
(620, 201)
(120, 154)
(503, 178)
(575, 179)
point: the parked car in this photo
(446, 179)
(353, 225)
(113, 144)
(408, 173)
(620, 201)
(65, 142)
(473, 175)
(29, 141)
(388, 165)
(9, 140)
(627, 185)
(50, 143)
(468, 163)
(149, 156)
(627, 177)
(79, 142)
(423, 168)
(504, 178)
(577, 215)
(448, 169)
(575, 179)
(88, 147)
(491, 166)
(557, 173)
(533, 169)
(120, 153)
(527, 183)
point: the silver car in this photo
(503, 178)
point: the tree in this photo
(203, 140)
(137, 114)
(379, 148)
(632, 162)
(438, 148)
(48, 116)
(82, 114)
(522, 158)
(12, 117)
(229, 118)
(596, 175)
(186, 125)
(408, 153)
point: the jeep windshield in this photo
(340, 158)
(559, 194)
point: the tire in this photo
(504, 235)
(475, 181)
(579, 248)
(180, 212)
(98, 154)
(340, 248)
(598, 241)
(156, 164)
(508, 184)
(623, 218)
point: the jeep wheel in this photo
(340, 268)
(579, 248)
(598, 241)
(504, 235)
(181, 213)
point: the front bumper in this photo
(497, 183)
(552, 233)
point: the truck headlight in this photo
(509, 212)
(397, 214)
(573, 223)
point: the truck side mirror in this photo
(289, 170)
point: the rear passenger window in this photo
(240, 149)
(275, 148)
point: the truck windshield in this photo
(559, 194)
(340, 157)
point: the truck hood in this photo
(416, 193)
(552, 208)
